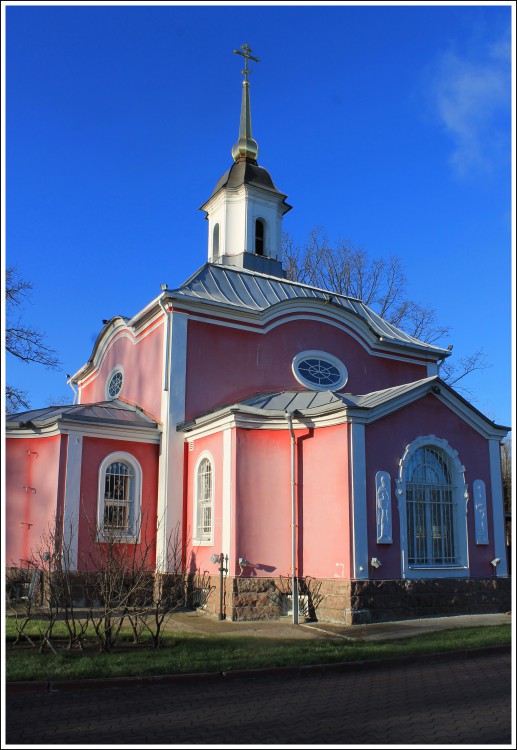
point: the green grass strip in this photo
(189, 653)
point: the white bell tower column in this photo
(245, 210)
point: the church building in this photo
(305, 450)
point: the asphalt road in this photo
(457, 701)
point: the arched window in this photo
(432, 501)
(215, 242)
(119, 501)
(260, 237)
(430, 509)
(204, 501)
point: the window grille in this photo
(431, 510)
(319, 371)
(115, 384)
(204, 500)
(118, 497)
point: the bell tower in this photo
(245, 210)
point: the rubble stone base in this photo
(358, 602)
(349, 602)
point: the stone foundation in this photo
(382, 601)
(357, 602)
(327, 600)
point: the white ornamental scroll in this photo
(383, 507)
(480, 515)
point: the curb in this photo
(58, 686)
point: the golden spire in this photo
(245, 148)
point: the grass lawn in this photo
(189, 653)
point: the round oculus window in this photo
(115, 384)
(319, 371)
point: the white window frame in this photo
(198, 540)
(116, 369)
(133, 535)
(459, 501)
(316, 354)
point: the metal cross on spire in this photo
(246, 55)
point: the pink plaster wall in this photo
(324, 507)
(198, 556)
(29, 515)
(263, 496)
(264, 362)
(386, 441)
(143, 372)
(263, 500)
(95, 451)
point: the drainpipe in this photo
(294, 579)
(75, 390)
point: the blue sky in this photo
(389, 126)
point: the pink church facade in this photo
(287, 429)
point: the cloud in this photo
(472, 101)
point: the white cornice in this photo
(40, 432)
(108, 432)
(110, 337)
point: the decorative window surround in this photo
(114, 383)
(126, 499)
(204, 492)
(459, 501)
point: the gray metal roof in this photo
(245, 173)
(105, 412)
(310, 403)
(253, 291)
(306, 401)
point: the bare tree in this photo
(22, 340)
(169, 590)
(380, 284)
(22, 594)
(43, 558)
(116, 582)
(122, 585)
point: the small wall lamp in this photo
(495, 562)
(375, 562)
